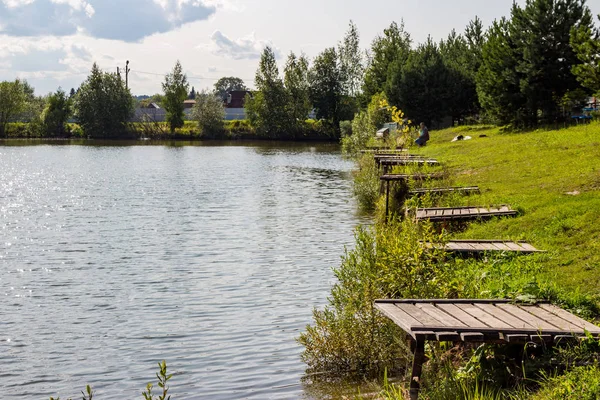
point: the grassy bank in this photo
(552, 177)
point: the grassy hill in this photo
(551, 176)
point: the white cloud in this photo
(246, 48)
(16, 3)
(43, 55)
(128, 21)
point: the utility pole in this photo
(127, 74)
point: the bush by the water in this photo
(387, 262)
(366, 183)
(581, 383)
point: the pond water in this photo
(211, 257)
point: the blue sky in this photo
(53, 43)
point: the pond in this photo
(114, 257)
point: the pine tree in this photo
(498, 81)
(586, 43)
(423, 86)
(541, 32)
(459, 60)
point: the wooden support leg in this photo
(387, 199)
(419, 358)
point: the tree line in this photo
(103, 106)
(528, 69)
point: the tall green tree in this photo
(475, 37)
(267, 109)
(175, 88)
(542, 32)
(390, 49)
(103, 105)
(351, 61)
(13, 101)
(459, 60)
(295, 79)
(498, 80)
(56, 114)
(228, 84)
(422, 89)
(585, 41)
(327, 89)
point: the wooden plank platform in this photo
(400, 156)
(376, 149)
(384, 150)
(405, 161)
(407, 177)
(387, 178)
(491, 321)
(439, 191)
(463, 213)
(484, 246)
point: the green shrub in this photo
(387, 262)
(346, 128)
(239, 128)
(367, 183)
(363, 131)
(581, 383)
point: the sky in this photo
(54, 43)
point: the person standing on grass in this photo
(423, 135)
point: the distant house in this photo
(236, 98)
(189, 104)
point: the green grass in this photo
(533, 172)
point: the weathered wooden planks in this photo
(464, 213)
(485, 316)
(405, 161)
(407, 177)
(484, 246)
(384, 149)
(491, 321)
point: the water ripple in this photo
(114, 258)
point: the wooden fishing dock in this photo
(382, 156)
(463, 213)
(387, 163)
(387, 178)
(483, 321)
(485, 246)
(384, 151)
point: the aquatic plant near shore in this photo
(162, 377)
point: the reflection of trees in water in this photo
(291, 148)
(318, 174)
